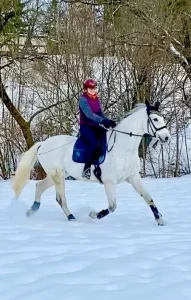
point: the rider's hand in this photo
(113, 123)
(108, 123)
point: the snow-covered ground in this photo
(124, 256)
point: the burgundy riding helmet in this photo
(89, 83)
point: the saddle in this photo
(80, 153)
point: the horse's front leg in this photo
(110, 189)
(135, 181)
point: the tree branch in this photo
(188, 15)
(92, 2)
(6, 17)
(49, 107)
(6, 65)
(44, 109)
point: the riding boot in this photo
(97, 173)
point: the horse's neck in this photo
(135, 123)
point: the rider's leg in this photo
(89, 136)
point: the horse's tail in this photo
(24, 168)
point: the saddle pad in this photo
(80, 151)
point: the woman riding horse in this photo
(91, 116)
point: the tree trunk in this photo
(23, 124)
(3, 166)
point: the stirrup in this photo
(86, 173)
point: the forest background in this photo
(136, 50)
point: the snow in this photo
(177, 54)
(123, 256)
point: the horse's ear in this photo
(157, 105)
(147, 103)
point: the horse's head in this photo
(156, 125)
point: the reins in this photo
(131, 134)
(123, 132)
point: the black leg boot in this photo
(97, 173)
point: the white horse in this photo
(122, 163)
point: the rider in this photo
(91, 116)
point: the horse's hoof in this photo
(93, 215)
(71, 217)
(30, 212)
(161, 222)
(33, 209)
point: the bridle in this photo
(150, 125)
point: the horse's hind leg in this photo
(41, 186)
(135, 181)
(59, 182)
(110, 189)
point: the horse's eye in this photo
(156, 120)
